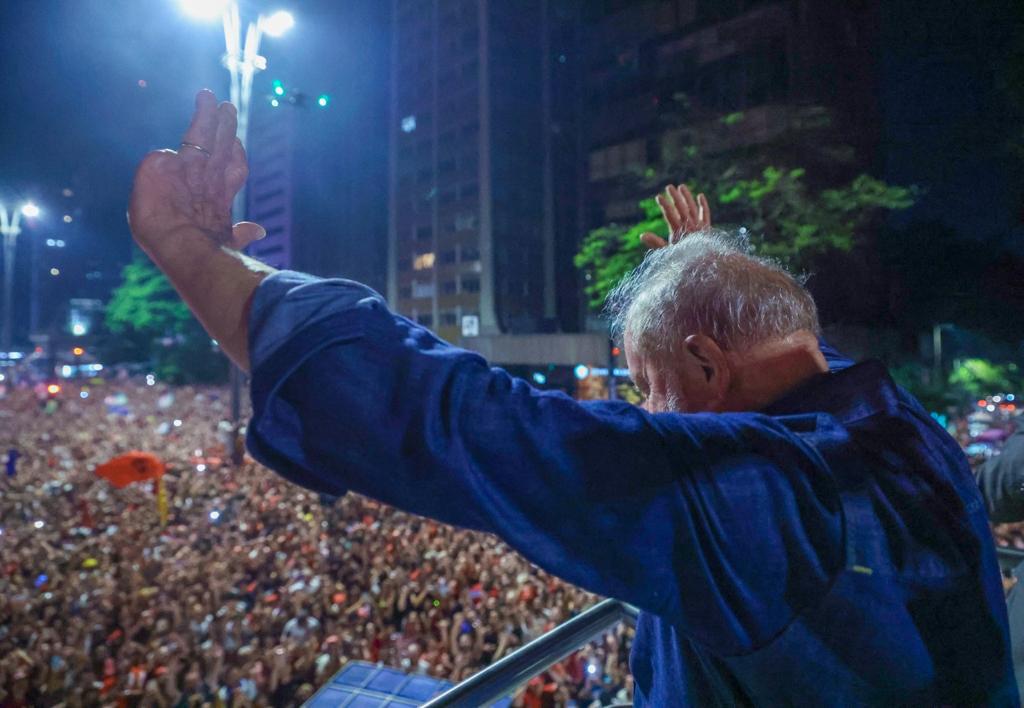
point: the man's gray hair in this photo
(709, 283)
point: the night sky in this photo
(76, 115)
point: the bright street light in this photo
(204, 9)
(30, 210)
(242, 59)
(278, 23)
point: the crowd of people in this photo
(254, 592)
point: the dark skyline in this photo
(78, 117)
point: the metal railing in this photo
(1009, 554)
(507, 674)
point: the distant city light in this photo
(204, 9)
(539, 378)
(68, 219)
(30, 210)
(78, 351)
(214, 515)
(408, 124)
(60, 243)
(84, 394)
(581, 371)
(53, 389)
(67, 192)
(150, 380)
(278, 23)
(323, 100)
(200, 468)
(39, 523)
(990, 408)
(55, 271)
(65, 371)
(274, 102)
(177, 423)
(1010, 397)
(50, 242)
(78, 329)
(591, 669)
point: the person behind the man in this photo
(792, 531)
(1001, 480)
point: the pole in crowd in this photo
(10, 227)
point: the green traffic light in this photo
(323, 100)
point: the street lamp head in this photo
(30, 210)
(204, 9)
(278, 23)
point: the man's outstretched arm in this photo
(180, 215)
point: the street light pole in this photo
(10, 227)
(243, 60)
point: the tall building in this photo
(471, 229)
(517, 127)
(322, 214)
(269, 190)
(767, 61)
(317, 178)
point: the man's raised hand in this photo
(683, 214)
(192, 189)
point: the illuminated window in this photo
(423, 261)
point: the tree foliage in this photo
(149, 321)
(763, 191)
(969, 380)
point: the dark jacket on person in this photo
(832, 549)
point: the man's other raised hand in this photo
(683, 214)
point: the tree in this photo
(150, 322)
(978, 378)
(764, 190)
(970, 380)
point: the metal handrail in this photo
(523, 664)
(1006, 553)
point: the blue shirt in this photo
(831, 550)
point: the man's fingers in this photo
(691, 204)
(203, 129)
(653, 241)
(200, 133)
(705, 211)
(681, 207)
(236, 172)
(668, 211)
(245, 232)
(224, 138)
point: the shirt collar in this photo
(849, 394)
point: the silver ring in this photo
(200, 148)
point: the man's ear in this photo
(713, 365)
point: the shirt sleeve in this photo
(727, 525)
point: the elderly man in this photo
(794, 528)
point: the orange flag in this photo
(131, 467)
